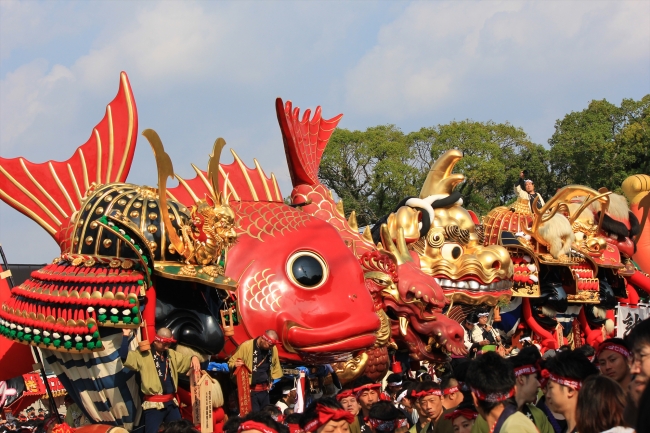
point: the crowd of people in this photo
(584, 390)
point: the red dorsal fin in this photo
(50, 192)
(304, 140)
(244, 184)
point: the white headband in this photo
(395, 383)
(401, 396)
(483, 314)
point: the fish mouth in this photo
(298, 338)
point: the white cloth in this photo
(282, 406)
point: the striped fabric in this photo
(105, 390)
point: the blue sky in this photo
(208, 69)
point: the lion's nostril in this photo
(496, 265)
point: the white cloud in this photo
(436, 54)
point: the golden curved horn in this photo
(165, 170)
(440, 179)
(213, 169)
(399, 251)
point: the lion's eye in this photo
(451, 251)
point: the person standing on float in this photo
(159, 368)
(260, 355)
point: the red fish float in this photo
(412, 301)
(223, 239)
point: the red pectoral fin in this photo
(304, 140)
(50, 192)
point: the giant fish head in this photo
(297, 277)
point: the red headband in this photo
(326, 414)
(450, 390)
(422, 394)
(614, 347)
(525, 370)
(387, 425)
(164, 340)
(344, 394)
(493, 397)
(271, 341)
(254, 425)
(571, 383)
(360, 390)
(467, 413)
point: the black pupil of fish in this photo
(307, 271)
(455, 253)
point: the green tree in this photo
(494, 155)
(373, 170)
(602, 144)
(370, 170)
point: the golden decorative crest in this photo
(211, 231)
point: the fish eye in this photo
(451, 251)
(307, 269)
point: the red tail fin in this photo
(304, 140)
(50, 192)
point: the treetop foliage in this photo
(373, 170)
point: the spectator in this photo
(393, 385)
(179, 426)
(492, 381)
(612, 357)
(385, 418)
(292, 421)
(451, 393)
(463, 417)
(326, 416)
(288, 399)
(430, 399)
(527, 387)
(564, 374)
(260, 422)
(367, 394)
(348, 401)
(601, 403)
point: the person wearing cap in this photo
(525, 189)
(326, 416)
(288, 398)
(260, 356)
(463, 417)
(405, 403)
(491, 380)
(159, 368)
(612, 357)
(563, 375)
(348, 401)
(385, 418)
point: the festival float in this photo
(141, 257)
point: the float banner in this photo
(628, 317)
